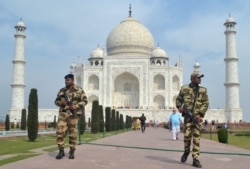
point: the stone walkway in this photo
(153, 149)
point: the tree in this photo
(23, 120)
(32, 121)
(107, 118)
(112, 127)
(82, 122)
(95, 117)
(54, 122)
(101, 119)
(117, 122)
(128, 121)
(89, 122)
(7, 122)
(121, 122)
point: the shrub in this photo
(222, 135)
(128, 122)
(23, 120)
(7, 122)
(101, 119)
(54, 122)
(107, 118)
(117, 121)
(121, 122)
(95, 117)
(32, 121)
(112, 126)
(82, 122)
(243, 134)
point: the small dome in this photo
(158, 52)
(197, 64)
(97, 53)
(230, 19)
(130, 36)
(20, 23)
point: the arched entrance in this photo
(126, 91)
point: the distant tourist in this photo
(225, 125)
(205, 124)
(213, 125)
(143, 123)
(174, 124)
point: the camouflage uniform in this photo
(67, 122)
(186, 97)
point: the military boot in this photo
(196, 163)
(60, 154)
(185, 156)
(71, 154)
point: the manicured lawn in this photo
(21, 148)
(22, 144)
(238, 141)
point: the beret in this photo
(71, 76)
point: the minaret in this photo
(196, 67)
(18, 74)
(232, 111)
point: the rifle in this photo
(69, 102)
(188, 115)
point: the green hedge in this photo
(223, 135)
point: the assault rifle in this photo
(69, 102)
(188, 115)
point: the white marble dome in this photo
(158, 52)
(97, 53)
(130, 36)
(230, 19)
(20, 23)
(197, 64)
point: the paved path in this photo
(152, 150)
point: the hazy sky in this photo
(59, 31)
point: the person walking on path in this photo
(70, 99)
(143, 123)
(195, 99)
(175, 122)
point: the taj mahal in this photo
(132, 75)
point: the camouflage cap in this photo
(196, 74)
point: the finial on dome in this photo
(158, 45)
(130, 11)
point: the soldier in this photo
(70, 100)
(196, 99)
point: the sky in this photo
(60, 32)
